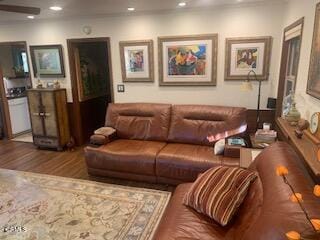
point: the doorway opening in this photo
(92, 85)
(289, 66)
(15, 79)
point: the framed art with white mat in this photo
(246, 54)
(188, 60)
(137, 61)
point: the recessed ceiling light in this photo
(182, 4)
(239, 0)
(56, 8)
(30, 17)
(131, 9)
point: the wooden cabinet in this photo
(49, 117)
(306, 149)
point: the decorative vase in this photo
(293, 115)
(56, 84)
(39, 84)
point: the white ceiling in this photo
(74, 8)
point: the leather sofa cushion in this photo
(181, 222)
(185, 161)
(130, 156)
(113, 176)
(139, 121)
(193, 123)
(266, 213)
(277, 214)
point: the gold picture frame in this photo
(244, 54)
(199, 67)
(47, 61)
(137, 61)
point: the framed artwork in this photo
(246, 54)
(47, 61)
(188, 60)
(137, 61)
(313, 86)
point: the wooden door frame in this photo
(4, 103)
(74, 83)
(283, 65)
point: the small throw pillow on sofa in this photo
(105, 131)
(219, 192)
(219, 147)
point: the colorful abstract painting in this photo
(247, 58)
(187, 60)
(136, 60)
(247, 54)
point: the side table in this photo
(258, 144)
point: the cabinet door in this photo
(50, 119)
(34, 99)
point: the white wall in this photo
(297, 9)
(245, 21)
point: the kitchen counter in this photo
(16, 96)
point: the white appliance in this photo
(19, 115)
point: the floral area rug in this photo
(42, 207)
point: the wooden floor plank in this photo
(27, 157)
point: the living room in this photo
(125, 119)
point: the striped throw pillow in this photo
(219, 192)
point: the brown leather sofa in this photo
(266, 213)
(162, 142)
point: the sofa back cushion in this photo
(193, 123)
(139, 121)
(267, 212)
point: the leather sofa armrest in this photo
(103, 136)
(98, 140)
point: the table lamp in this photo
(247, 86)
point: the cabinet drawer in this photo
(46, 142)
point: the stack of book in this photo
(265, 136)
(236, 142)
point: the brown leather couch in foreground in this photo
(162, 142)
(266, 213)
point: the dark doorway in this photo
(91, 79)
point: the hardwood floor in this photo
(26, 157)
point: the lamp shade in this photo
(246, 86)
